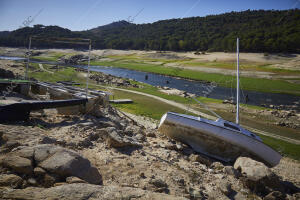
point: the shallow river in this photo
(200, 88)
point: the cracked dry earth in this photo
(135, 162)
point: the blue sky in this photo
(86, 14)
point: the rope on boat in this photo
(212, 112)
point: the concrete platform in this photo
(119, 101)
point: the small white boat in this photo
(219, 139)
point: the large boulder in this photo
(257, 176)
(57, 162)
(18, 164)
(68, 163)
(10, 180)
(42, 152)
(84, 191)
(65, 163)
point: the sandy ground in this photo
(256, 74)
(244, 57)
(292, 59)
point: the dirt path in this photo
(181, 106)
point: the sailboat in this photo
(220, 139)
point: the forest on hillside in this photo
(258, 30)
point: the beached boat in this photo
(220, 139)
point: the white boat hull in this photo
(216, 141)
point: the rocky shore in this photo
(107, 79)
(112, 156)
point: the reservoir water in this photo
(200, 88)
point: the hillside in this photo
(260, 31)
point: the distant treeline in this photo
(259, 31)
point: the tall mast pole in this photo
(88, 70)
(237, 81)
(28, 55)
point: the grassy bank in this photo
(143, 105)
(63, 74)
(247, 83)
(284, 148)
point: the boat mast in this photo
(237, 81)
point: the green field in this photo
(63, 74)
(143, 105)
(284, 148)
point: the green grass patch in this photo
(53, 56)
(211, 64)
(285, 148)
(63, 74)
(143, 105)
(45, 58)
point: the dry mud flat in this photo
(113, 156)
(275, 62)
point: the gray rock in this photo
(9, 145)
(48, 140)
(240, 196)
(179, 147)
(140, 137)
(42, 152)
(159, 183)
(49, 180)
(24, 151)
(32, 181)
(84, 191)
(11, 180)
(53, 159)
(217, 166)
(85, 143)
(200, 159)
(18, 164)
(231, 171)
(117, 140)
(39, 171)
(66, 163)
(196, 193)
(257, 176)
(252, 169)
(225, 187)
(150, 134)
